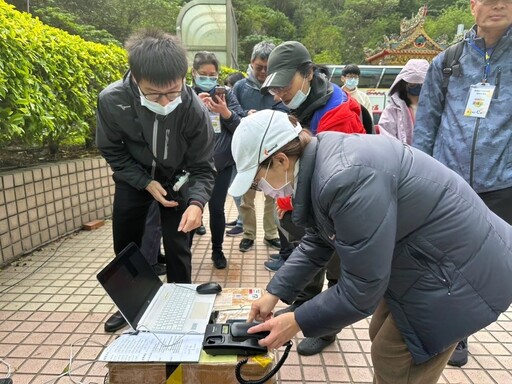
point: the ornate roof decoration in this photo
(413, 43)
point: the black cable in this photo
(265, 378)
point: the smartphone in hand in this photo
(219, 90)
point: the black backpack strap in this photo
(451, 65)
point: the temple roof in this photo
(413, 43)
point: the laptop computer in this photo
(146, 303)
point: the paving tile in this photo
(61, 309)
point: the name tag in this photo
(479, 100)
(215, 118)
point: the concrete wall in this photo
(41, 204)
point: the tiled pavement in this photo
(51, 308)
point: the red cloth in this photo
(285, 203)
(344, 118)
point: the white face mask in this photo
(153, 106)
(299, 98)
(352, 83)
(268, 190)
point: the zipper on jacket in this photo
(473, 149)
(444, 279)
(154, 146)
(497, 84)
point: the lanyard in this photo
(487, 58)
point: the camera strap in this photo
(265, 378)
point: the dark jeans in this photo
(128, 223)
(216, 207)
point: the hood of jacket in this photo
(413, 72)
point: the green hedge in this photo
(49, 81)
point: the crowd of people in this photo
(409, 220)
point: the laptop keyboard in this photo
(172, 315)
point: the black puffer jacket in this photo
(127, 133)
(406, 228)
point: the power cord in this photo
(68, 371)
(9, 371)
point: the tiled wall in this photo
(39, 205)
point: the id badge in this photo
(215, 118)
(479, 100)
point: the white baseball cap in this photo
(257, 137)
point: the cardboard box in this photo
(190, 373)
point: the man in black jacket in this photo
(158, 140)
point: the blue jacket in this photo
(480, 150)
(405, 228)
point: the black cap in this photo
(283, 62)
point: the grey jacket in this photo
(405, 228)
(480, 150)
(128, 133)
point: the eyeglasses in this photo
(155, 97)
(494, 2)
(274, 91)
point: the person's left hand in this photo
(217, 104)
(191, 219)
(282, 328)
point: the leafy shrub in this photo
(49, 81)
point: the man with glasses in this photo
(156, 136)
(468, 125)
(248, 93)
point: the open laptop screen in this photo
(130, 282)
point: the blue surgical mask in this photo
(299, 98)
(268, 190)
(414, 91)
(157, 108)
(206, 83)
(352, 83)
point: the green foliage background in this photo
(50, 77)
(49, 81)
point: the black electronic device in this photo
(233, 339)
(6, 380)
(209, 288)
(219, 90)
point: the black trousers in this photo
(128, 223)
(500, 202)
(216, 208)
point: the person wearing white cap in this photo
(416, 245)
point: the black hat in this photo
(283, 62)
